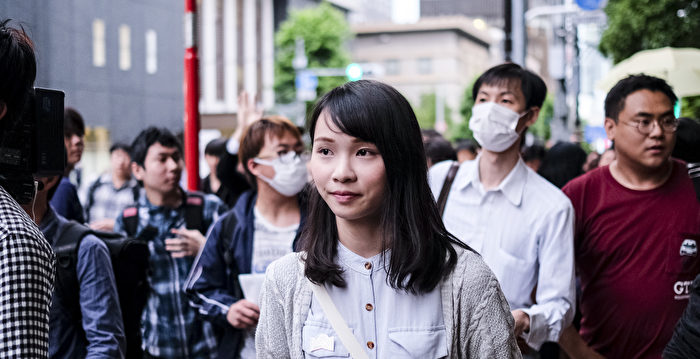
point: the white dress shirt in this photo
(524, 231)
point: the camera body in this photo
(33, 146)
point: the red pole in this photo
(191, 90)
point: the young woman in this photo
(375, 244)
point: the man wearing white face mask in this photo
(264, 225)
(520, 223)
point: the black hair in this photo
(438, 149)
(534, 152)
(216, 147)
(532, 86)
(119, 146)
(73, 123)
(562, 163)
(146, 139)
(422, 250)
(687, 140)
(17, 70)
(467, 144)
(615, 100)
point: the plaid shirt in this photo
(103, 201)
(26, 283)
(170, 326)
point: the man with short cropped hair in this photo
(637, 230)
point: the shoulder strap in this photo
(91, 196)
(335, 318)
(66, 249)
(130, 216)
(228, 226)
(445, 191)
(194, 211)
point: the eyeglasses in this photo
(645, 126)
(284, 156)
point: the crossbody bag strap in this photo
(338, 323)
(445, 191)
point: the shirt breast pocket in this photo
(429, 343)
(319, 341)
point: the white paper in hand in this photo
(251, 285)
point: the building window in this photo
(391, 67)
(99, 57)
(124, 48)
(151, 52)
(425, 65)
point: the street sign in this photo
(306, 83)
(590, 5)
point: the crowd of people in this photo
(378, 240)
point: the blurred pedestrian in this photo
(111, 192)
(637, 226)
(438, 149)
(26, 258)
(173, 222)
(371, 213)
(467, 150)
(65, 201)
(591, 161)
(562, 163)
(95, 329)
(533, 156)
(607, 157)
(518, 222)
(264, 225)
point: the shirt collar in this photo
(356, 262)
(512, 186)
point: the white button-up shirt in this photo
(524, 231)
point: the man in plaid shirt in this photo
(26, 258)
(110, 193)
(170, 327)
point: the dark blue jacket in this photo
(212, 285)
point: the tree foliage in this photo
(425, 112)
(635, 25)
(325, 32)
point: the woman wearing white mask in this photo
(263, 225)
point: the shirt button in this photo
(369, 307)
(368, 265)
(370, 345)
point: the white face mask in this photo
(494, 126)
(290, 173)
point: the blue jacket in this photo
(101, 334)
(212, 287)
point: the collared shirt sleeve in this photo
(554, 306)
(206, 286)
(99, 301)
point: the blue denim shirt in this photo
(102, 332)
(170, 326)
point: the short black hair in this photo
(532, 86)
(615, 100)
(73, 123)
(146, 139)
(216, 147)
(438, 149)
(467, 144)
(687, 140)
(534, 152)
(17, 69)
(119, 146)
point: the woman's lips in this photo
(344, 196)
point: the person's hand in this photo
(248, 112)
(522, 322)
(243, 314)
(575, 347)
(187, 242)
(106, 225)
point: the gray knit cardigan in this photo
(477, 316)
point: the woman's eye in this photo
(363, 152)
(505, 100)
(324, 151)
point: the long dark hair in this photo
(422, 250)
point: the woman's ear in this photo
(252, 166)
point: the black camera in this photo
(33, 145)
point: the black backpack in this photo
(194, 216)
(130, 264)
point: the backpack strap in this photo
(228, 226)
(130, 216)
(445, 191)
(66, 249)
(194, 211)
(91, 197)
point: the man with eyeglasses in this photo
(263, 226)
(637, 224)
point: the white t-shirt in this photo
(269, 243)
